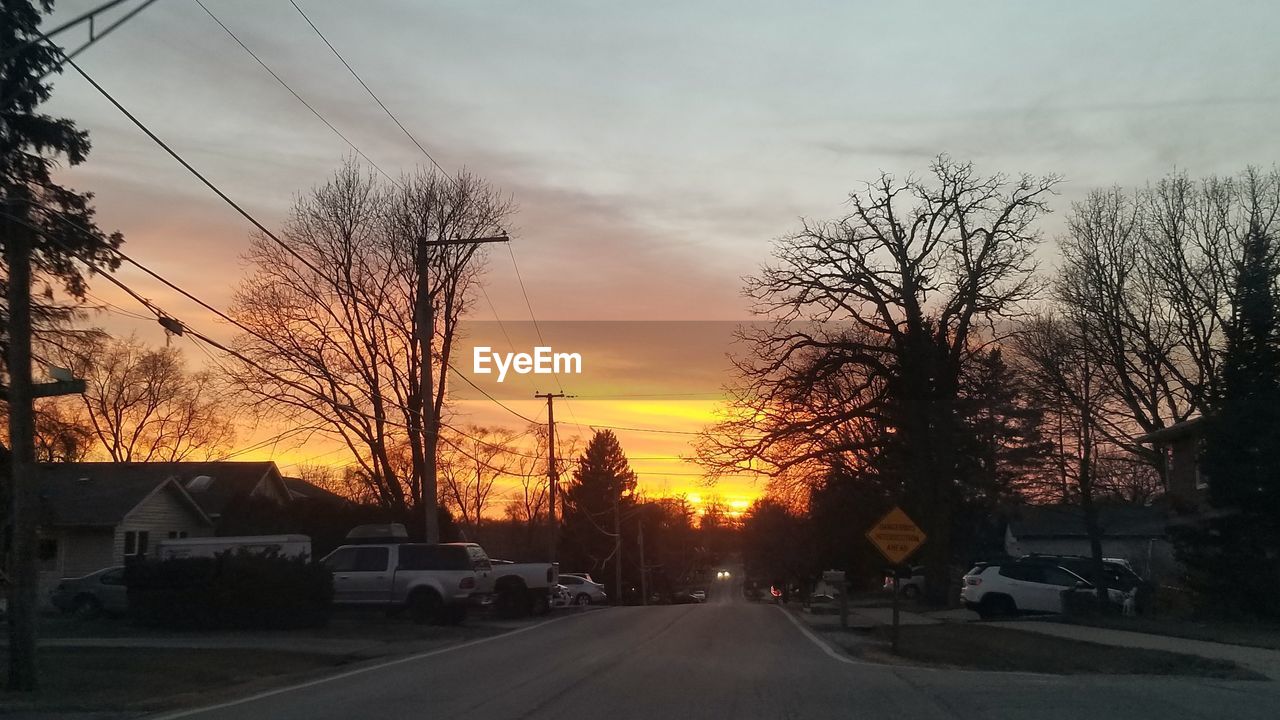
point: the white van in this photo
(283, 545)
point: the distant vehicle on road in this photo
(699, 595)
(293, 546)
(583, 589)
(101, 591)
(1035, 583)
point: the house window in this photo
(135, 543)
(177, 534)
(47, 554)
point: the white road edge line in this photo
(359, 671)
(825, 647)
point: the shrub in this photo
(238, 590)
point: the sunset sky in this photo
(654, 149)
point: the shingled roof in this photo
(116, 483)
(80, 499)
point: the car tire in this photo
(511, 600)
(582, 600)
(994, 606)
(425, 607)
(86, 606)
(910, 592)
(453, 614)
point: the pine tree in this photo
(1235, 559)
(603, 487)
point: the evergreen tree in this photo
(1235, 557)
(603, 488)
(50, 231)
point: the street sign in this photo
(896, 536)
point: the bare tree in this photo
(1059, 358)
(471, 462)
(918, 274)
(1146, 276)
(332, 330)
(63, 433)
(144, 405)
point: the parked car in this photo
(102, 591)
(1030, 584)
(699, 595)
(518, 588)
(583, 589)
(435, 583)
(910, 588)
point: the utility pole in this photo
(425, 319)
(644, 571)
(553, 475)
(24, 497)
(617, 545)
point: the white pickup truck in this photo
(436, 583)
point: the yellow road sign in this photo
(896, 536)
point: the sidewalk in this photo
(1266, 662)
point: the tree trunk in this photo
(24, 499)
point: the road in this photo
(726, 659)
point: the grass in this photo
(1259, 634)
(148, 679)
(983, 647)
(358, 624)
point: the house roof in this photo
(229, 482)
(299, 488)
(1067, 521)
(1174, 432)
(74, 498)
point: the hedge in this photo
(239, 590)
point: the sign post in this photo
(896, 536)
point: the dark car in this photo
(98, 592)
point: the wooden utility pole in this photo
(617, 545)
(24, 498)
(644, 582)
(553, 476)
(425, 319)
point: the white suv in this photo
(1017, 586)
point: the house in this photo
(301, 490)
(1183, 444)
(96, 517)
(1137, 533)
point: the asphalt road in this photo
(725, 659)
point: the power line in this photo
(594, 426)
(437, 165)
(294, 93)
(368, 89)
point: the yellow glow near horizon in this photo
(657, 458)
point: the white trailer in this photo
(282, 545)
